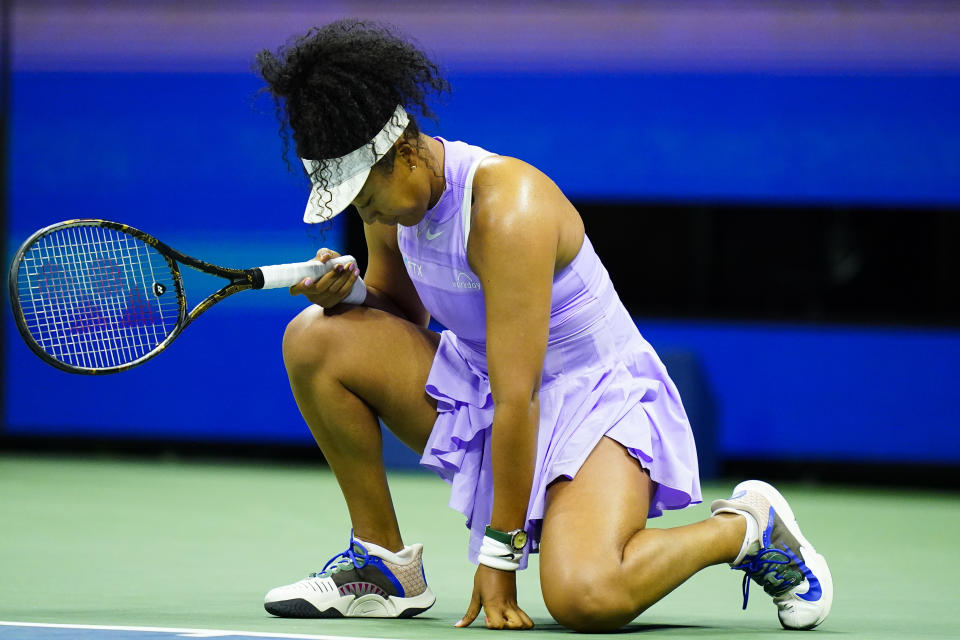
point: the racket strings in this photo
(93, 297)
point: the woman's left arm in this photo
(512, 247)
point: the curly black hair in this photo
(335, 87)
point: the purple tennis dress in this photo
(600, 377)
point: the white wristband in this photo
(358, 294)
(497, 555)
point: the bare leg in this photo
(600, 566)
(345, 370)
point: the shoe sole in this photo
(365, 606)
(814, 561)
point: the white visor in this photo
(345, 175)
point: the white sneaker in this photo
(365, 581)
(779, 558)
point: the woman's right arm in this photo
(388, 284)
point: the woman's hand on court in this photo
(330, 289)
(496, 592)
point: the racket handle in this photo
(286, 275)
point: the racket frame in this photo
(240, 280)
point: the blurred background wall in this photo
(774, 187)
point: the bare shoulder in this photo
(509, 181)
(513, 198)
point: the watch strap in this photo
(506, 537)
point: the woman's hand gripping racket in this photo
(93, 296)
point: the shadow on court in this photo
(636, 627)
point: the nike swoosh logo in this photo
(815, 591)
(434, 236)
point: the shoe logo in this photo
(815, 591)
(433, 236)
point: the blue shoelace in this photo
(339, 562)
(759, 566)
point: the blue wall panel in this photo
(872, 139)
(187, 157)
(802, 393)
(818, 393)
(222, 380)
(198, 150)
(165, 152)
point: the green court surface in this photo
(196, 545)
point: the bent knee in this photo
(306, 339)
(588, 601)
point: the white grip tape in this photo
(497, 555)
(286, 275)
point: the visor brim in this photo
(325, 204)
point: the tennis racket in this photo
(93, 296)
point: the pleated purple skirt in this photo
(604, 381)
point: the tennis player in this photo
(542, 405)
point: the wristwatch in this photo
(516, 539)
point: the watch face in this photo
(519, 540)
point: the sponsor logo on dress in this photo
(433, 235)
(464, 281)
(414, 268)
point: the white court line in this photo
(189, 633)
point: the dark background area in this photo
(791, 264)
(797, 264)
